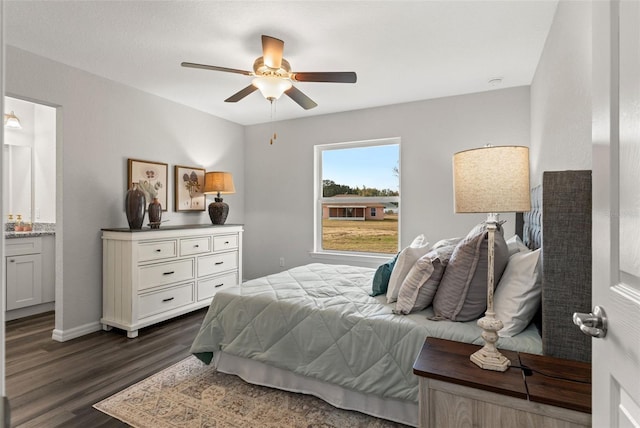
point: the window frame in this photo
(318, 200)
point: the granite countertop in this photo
(39, 229)
(33, 233)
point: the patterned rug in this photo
(192, 394)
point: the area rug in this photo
(192, 394)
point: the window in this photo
(357, 197)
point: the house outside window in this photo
(357, 197)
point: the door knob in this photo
(593, 324)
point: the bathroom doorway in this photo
(29, 205)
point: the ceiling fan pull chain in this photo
(273, 113)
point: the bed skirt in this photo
(255, 372)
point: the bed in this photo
(315, 329)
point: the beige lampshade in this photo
(219, 182)
(491, 179)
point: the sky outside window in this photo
(371, 166)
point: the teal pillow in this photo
(381, 277)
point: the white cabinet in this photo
(153, 275)
(24, 281)
(30, 278)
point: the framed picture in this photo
(153, 175)
(189, 184)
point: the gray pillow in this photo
(462, 294)
(421, 283)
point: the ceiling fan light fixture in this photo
(272, 88)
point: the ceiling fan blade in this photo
(298, 96)
(333, 77)
(215, 68)
(272, 51)
(241, 94)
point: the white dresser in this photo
(150, 276)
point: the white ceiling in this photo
(401, 51)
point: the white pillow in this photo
(421, 283)
(406, 259)
(517, 296)
(515, 245)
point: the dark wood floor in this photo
(52, 384)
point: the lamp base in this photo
(488, 357)
(218, 211)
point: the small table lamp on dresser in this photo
(491, 179)
(218, 182)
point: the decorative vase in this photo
(135, 204)
(155, 213)
(218, 211)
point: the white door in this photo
(616, 211)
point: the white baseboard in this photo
(29, 310)
(72, 333)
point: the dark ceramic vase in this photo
(218, 211)
(155, 213)
(135, 204)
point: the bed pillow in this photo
(515, 245)
(407, 257)
(517, 297)
(462, 294)
(446, 243)
(421, 283)
(381, 277)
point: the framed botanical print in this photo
(189, 184)
(152, 178)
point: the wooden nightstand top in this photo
(448, 361)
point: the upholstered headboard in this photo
(560, 223)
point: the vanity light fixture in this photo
(12, 121)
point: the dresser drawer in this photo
(165, 300)
(165, 273)
(209, 286)
(225, 242)
(216, 263)
(157, 250)
(198, 245)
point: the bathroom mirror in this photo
(18, 183)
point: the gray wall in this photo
(103, 124)
(279, 177)
(561, 94)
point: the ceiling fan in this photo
(273, 76)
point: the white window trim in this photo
(372, 259)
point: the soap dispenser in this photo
(18, 226)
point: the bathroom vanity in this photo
(30, 273)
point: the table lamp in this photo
(491, 179)
(218, 182)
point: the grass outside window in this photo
(371, 236)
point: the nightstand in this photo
(454, 392)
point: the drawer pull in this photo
(226, 242)
(158, 250)
(169, 273)
(168, 299)
(218, 263)
(218, 285)
(196, 246)
(12, 260)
